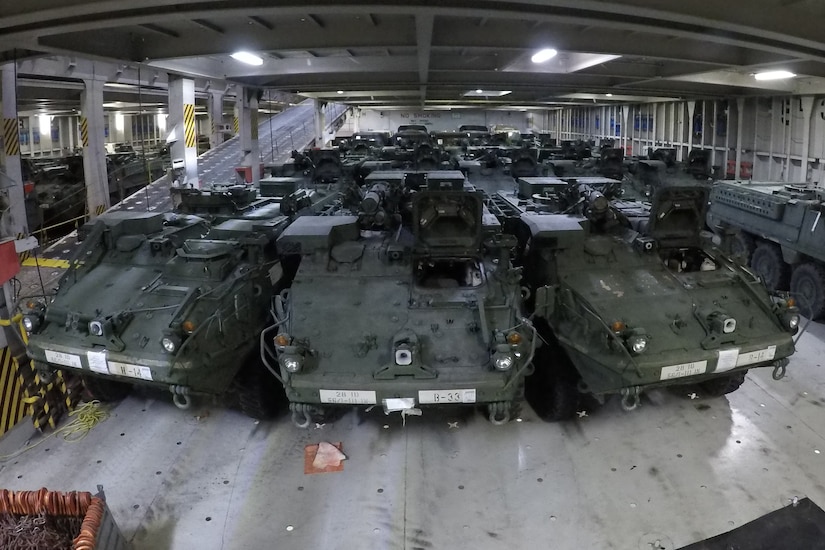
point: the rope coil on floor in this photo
(85, 418)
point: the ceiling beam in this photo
(424, 42)
(262, 22)
(160, 30)
(317, 20)
(209, 25)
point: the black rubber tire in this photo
(550, 391)
(808, 289)
(723, 385)
(768, 263)
(260, 395)
(742, 247)
(105, 390)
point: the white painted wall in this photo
(389, 121)
(780, 140)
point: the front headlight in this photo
(503, 362)
(170, 343)
(291, 364)
(95, 328)
(791, 320)
(30, 323)
(637, 344)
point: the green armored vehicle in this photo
(167, 300)
(632, 299)
(409, 301)
(776, 228)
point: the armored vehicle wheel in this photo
(258, 392)
(742, 246)
(105, 390)
(808, 289)
(723, 385)
(767, 262)
(552, 395)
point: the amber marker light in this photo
(188, 327)
(514, 338)
(618, 326)
(282, 340)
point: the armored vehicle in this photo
(632, 298)
(169, 300)
(776, 228)
(408, 301)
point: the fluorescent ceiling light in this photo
(773, 75)
(608, 95)
(340, 91)
(45, 123)
(543, 55)
(248, 58)
(487, 93)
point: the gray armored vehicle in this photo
(409, 301)
(776, 228)
(168, 300)
(632, 298)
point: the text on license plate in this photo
(65, 359)
(348, 397)
(426, 397)
(758, 356)
(683, 369)
(132, 371)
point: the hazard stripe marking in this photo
(189, 124)
(11, 137)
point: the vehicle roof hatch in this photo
(677, 215)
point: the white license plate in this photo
(65, 359)
(426, 397)
(348, 397)
(757, 356)
(132, 371)
(97, 361)
(684, 369)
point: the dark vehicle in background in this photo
(776, 228)
(476, 134)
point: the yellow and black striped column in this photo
(189, 131)
(12, 408)
(84, 131)
(11, 137)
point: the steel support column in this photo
(94, 151)
(740, 116)
(320, 123)
(183, 137)
(215, 117)
(248, 110)
(14, 220)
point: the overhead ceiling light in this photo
(543, 55)
(248, 58)
(608, 95)
(340, 91)
(773, 75)
(486, 93)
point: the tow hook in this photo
(779, 368)
(630, 398)
(180, 397)
(499, 413)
